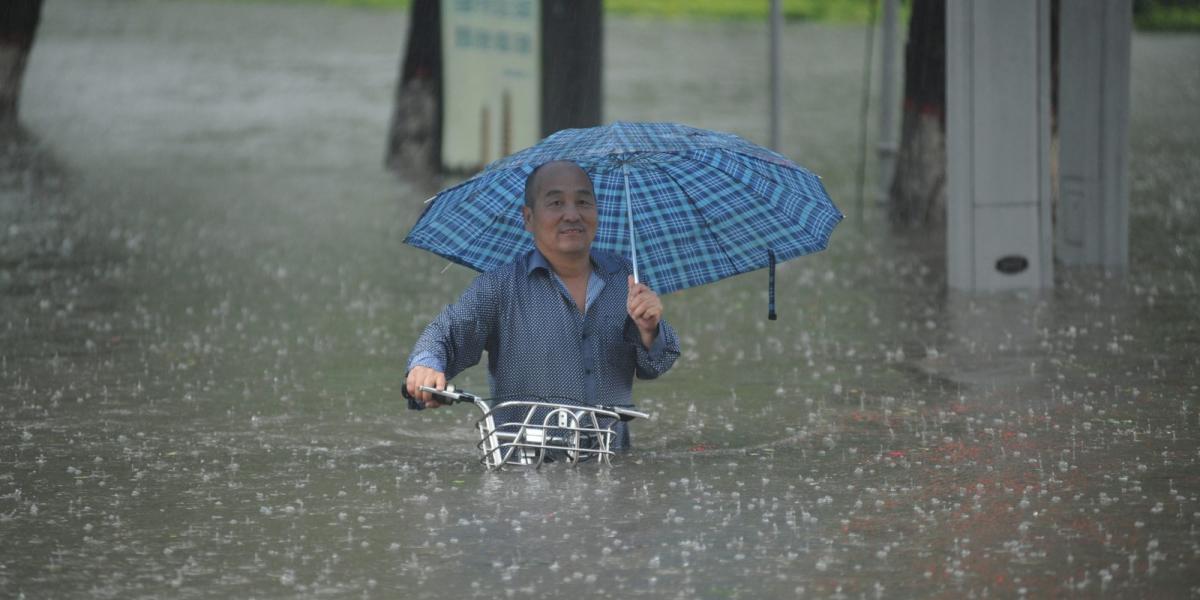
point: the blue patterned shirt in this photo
(539, 343)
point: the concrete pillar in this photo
(997, 145)
(1092, 221)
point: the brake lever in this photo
(450, 395)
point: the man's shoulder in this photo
(503, 276)
(508, 269)
(499, 275)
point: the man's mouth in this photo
(571, 230)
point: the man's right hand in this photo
(425, 376)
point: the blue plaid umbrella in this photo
(688, 206)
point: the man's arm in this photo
(658, 358)
(452, 343)
(656, 344)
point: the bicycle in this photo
(532, 430)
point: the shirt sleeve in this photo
(456, 339)
(660, 356)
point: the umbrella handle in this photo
(629, 212)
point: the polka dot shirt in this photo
(537, 341)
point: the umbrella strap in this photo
(771, 285)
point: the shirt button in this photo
(585, 336)
(587, 371)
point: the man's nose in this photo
(571, 212)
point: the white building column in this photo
(999, 229)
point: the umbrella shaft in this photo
(632, 241)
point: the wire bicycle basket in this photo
(528, 432)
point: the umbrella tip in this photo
(771, 316)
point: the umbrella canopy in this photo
(704, 205)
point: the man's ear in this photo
(527, 214)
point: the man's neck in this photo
(570, 267)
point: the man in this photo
(562, 320)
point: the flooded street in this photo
(206, 308)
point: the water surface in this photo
(205, 306)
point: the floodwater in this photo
(205, 308)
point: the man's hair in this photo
(531, 181)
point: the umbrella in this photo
(688, 206)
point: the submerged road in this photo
(205, 306)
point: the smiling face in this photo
(563, 214)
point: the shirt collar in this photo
(603, 263)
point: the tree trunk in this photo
(572, 64)
(415, 140)
(571, 81)
(18, 25)
(918, 194)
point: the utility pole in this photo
(776, 75)
(887, 103)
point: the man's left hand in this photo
(645, 309)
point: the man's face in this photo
(563, 220)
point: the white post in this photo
(776, 74)
(999, 229)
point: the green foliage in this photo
(1167, 15)
(1150, 15)
(807, 10)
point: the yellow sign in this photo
(491, 80)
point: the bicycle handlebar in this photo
(450, 395)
